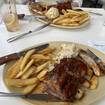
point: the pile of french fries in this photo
(72, 18)
(29, 71)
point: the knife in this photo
(17, 55)
(95, 57)
(30, 17)
(35, 96)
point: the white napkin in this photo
(99, 45)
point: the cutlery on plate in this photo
(29, 32)
(36, 96)
(17, 55)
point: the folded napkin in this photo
(99, 45)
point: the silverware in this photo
(101, 45)
(98, 61)
(29, 32)
(29, 17)
(17, 55)
(36, 96)
(94, 56)
(90, 11)
(96, 13)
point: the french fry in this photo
(40, 57)
(25, 69)
(66, 21)
(94, 82)
(21, 82)
(10, 70)
(29, 72)
(60, 18)
(42, 74)
(41, 67)
(26, 58)
(71, 18)
(84, 20)
(80, 18)
(30, 88)
(16, 68)
(47, 51)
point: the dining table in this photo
(87, 35)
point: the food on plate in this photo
(26, 58)
(37, 8)
(30, 71)
(66, 78)
(63, 14)
(41, 7)
(52, 13)
(25, 69)
(21, 82)
(72, 18)
(63, 70)
(15, 68)
(94, 82)
(61, 5)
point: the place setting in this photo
(60, 15)
(64, 66)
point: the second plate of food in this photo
(61, 14)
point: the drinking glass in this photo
(9, 15)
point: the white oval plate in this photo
(90, 97)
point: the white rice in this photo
(64, 51)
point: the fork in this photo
(29, 32)
(4, 94)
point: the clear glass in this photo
(9, 15)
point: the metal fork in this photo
(27, 33)
(4, 94)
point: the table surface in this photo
(94, 31)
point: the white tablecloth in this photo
(93, 32)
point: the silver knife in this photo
(29, 32)
(30, 17)
(95, 57)
(35, 96)
(17, 55)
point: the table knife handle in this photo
(8, 58)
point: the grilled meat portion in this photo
(66, 77)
